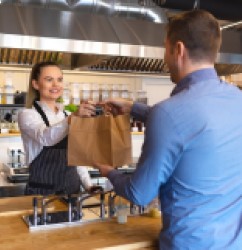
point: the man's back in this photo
(202, 200)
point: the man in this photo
(191, 157)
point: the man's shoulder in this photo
(172, 102)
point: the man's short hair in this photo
(200, 33)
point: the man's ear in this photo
(35, 84)
(180, 49)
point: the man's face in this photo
(171, 61)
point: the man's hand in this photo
(104, 169)
(119, 106)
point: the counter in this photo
(8, 189)
(140, 232)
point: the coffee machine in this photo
(16, 169)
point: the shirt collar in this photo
(45, 107)
(194, 77)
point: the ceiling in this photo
(103, 35)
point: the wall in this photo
(20, 78)
(157, 87)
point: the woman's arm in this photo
(85, 177)
(32, 125)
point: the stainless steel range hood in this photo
(77, 40)
(88, 40)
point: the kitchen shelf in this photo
(137, 133)
(12, 105)
(18, 134)
(9, 134)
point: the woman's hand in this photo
(95, 189)
(86, 109)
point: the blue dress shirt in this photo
(192, 159)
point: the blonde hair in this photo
(33, 94)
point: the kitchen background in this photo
(156, 88)
(104, 42)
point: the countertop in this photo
(8, 189)
(140, 232)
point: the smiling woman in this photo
(50, 85)
(44, 129)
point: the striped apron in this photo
(48, 172)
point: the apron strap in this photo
(42, 113)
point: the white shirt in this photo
(35, 134)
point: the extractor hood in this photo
(106, 36)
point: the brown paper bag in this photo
(102, 139)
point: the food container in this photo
(8, 89)
(122, 214)
(141, 96)
(95, 95)
(75, 88)
(75, 100)
(7, 98)
(66, 96)
(85, 95)
(85, 92)
(4, 128)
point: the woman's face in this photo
(49, 84)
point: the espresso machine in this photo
(15, 168)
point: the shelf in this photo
(9, 134)
(12, 105)
(137, 133)
(18, 134)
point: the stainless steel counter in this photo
(8, 189)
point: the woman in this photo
(44, 129)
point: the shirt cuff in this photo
(113, 174)
(139, 111)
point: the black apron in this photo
(48, 172)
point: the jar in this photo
(154, 209)
(105, 92)
(115, 91)
(66, 96)
(85, 92)
(125, 94)
(76, 100)
(75, 89)
(141, 96)
(7, 98)
(95, 95)
(4, 127)
(8, 89)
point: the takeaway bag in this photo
(104, 139)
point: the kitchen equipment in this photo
(82, 208)
(78, 212)
(19, 97)
(15, 172)
(15, 168)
